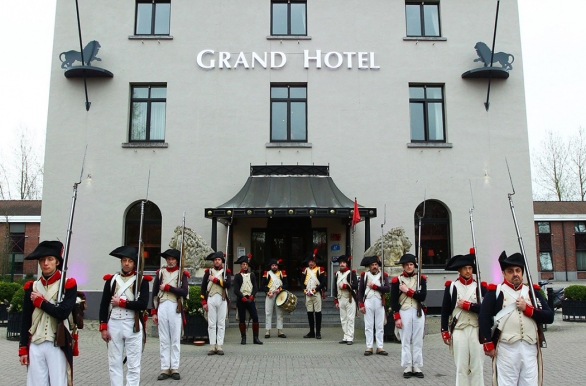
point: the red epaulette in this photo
(448, 283)
(28, 284)
(303, 270)
(70, 283)
(386, 274)
(158, 270)
(424, 277)
(354, 270)
(322, 270)
(536, 287)
(362, 273)
(147, 277)
(283, 273)
(185, 273)
(228, 270)
(108, 276)
(207, 270)
(484, 284)
(395, 280)
(265, 274)
(492, 287)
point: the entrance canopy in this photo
(288, 191)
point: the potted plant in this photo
(389, 329)
(15, 315)
(7, 291)
(574, 304)
(196, 324)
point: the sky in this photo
(553, 35)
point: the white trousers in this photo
(123, 337)
(347, 317)
(313, 303)
(169, 335)
(374, 319)
(217, 310)
(469, 357)
(412, 338)
(270, 305)
(48, 365)
(516, 364)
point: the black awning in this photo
(289, 191)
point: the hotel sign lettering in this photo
(210, 59)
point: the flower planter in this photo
(574, 310)
(14, 326)
(3, 314)
(196, 327)
(389, 333)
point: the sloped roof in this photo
(559, 207)
(20, 207)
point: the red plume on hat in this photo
(249, 256)
(280, 261)
(314, 252)
(472, 251)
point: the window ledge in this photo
(434, 271)
(288, 37)
(441, 145)
(288, 144)
(162, 145)
(424, 39)
(150, 37)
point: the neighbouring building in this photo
(560, 234)
(20, 224)
(274, 115)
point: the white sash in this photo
(123, 287)
(312, 281)
(376, 279)
(275, 281)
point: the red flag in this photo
(356, 214)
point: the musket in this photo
(140, 262)
(478, 280)
(382, 257)
(181, 263)
(225, 274)
(60, 335)
(420, 257)
(529, 279)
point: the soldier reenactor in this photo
(515, 343)
(372, 288)
(214, 287)
(245, 289)
(345, 297)
(167, 312)
(119, 309)
(48, 363)
(314, 280)
(409, 316)
(273, 282)
(459, 321)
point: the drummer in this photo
(273, 282)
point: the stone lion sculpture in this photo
(196, 249)
(396, 244)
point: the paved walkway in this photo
(298, 361)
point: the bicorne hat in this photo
(344, 258)
(216, 255)
(273, 261)
(125, 251)
(172, 253)
(516, 259)
(47, 248)
(460, 261)
(243, 259)
(368, 260)
(408, 258)
(309, 256)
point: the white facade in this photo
(218, 122)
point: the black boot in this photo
(255, 328)
(311, 333)
(242, 327)
(318, 325)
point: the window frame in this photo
(425, 101)
(421, 5)
(288, 100)
(429, 241)
(153, 17)
(580, 245)
(149, 102)
(544, 244)
(152, 228)
(288, 2)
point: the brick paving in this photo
(298, 361)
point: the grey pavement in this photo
(298, 361)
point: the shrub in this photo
(575, 292)
(194, 305)
(17, 301)
(7, 291)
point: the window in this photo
(288, 113)
(289, 17)
(147, 122)
(16, 249)
(545, 247)
(435, 234)
(422, 19)
(152, 17)
(151, 233)
(426, 108)
(580, 236)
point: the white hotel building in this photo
(277, 114)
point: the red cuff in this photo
(103, 326)
(361, 305)
(251, 298)
(488, 346)
(122, 303)
(22, 350)
(466, 305)
(344, 286)
(445, 335)
(374, 287)
(204, 302)
(410, 293)
(38, 301)
(335, 301)
(244, 299)
(528, 310)
(396, 316)
(154, 311)
(166, 288)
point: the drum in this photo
(287, 301)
